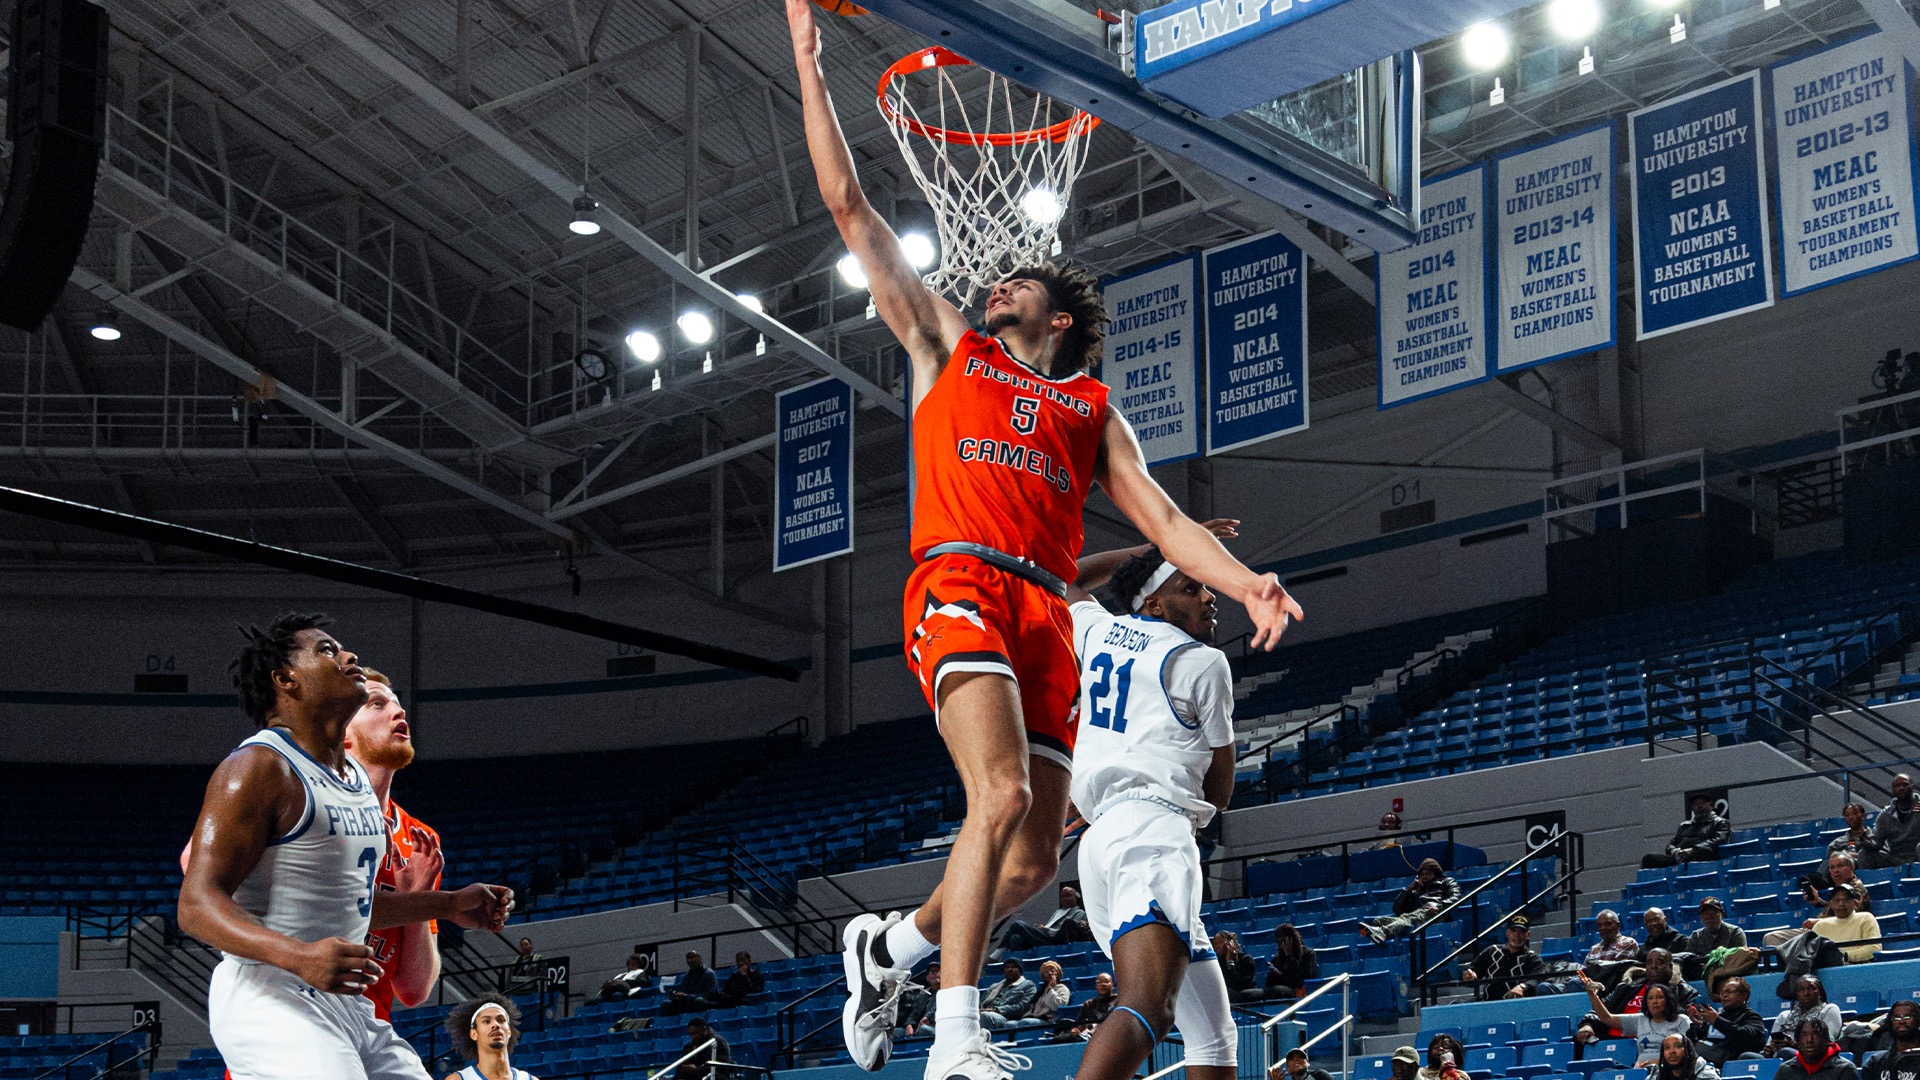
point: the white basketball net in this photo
(981, 165)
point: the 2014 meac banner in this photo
(813, 473)
(1152, 354)
(1843, 137)
(1702, 250)
(1256, 292)
(1554, 250)
(1432, 298)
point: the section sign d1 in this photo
(1256, 292)
(1152, 357)
(1432, 298)
(813, 473)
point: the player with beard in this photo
(486, 1030)
(1009, 435)
(379, 738)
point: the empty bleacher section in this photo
(78, 1055)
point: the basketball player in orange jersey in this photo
(379, 738)
(1009, 432)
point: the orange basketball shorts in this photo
(963, 614)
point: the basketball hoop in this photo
(997, 173)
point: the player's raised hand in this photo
(1222, 528)
(1271, 608)
(336, 965)
(805, 28)
(420, 872)
(482, 907)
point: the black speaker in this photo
(56, 119)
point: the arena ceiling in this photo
(336, 233)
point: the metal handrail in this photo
(1575, 854)
(151, 1050)
(1344, 981)
(1566, 877)
(1302, 1002)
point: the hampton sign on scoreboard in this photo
(1152, 357)
(1702, 250)
(813, 473)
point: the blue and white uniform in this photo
(472, 1072)
(1154, 704)
(315, 882)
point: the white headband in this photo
(1158, 579)
(491, 1005)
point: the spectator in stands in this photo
(1509, 970)
(1390, 826)
(1053, 995)
(1816, 1056)
(694, 991)
(1697, 840)
(1840, 871)
(525, 973)
(742, 983)
(1614, 953)
(1679, 1061)
(1237, 967)
(486, 1031)
(1444, 1055)
(1718, 946)
(1092, 1013)
(1858, 841)
(1630, 996)
(632, 982)
(709, 1064)
(1809, 1003)
(1009, 999)
(1660, 935)
(1405, 1063)
(1422, 899)
(1067, 923)
(1292, 965)
(1897, 1042)
(1898, 826)
(1845, 923)
(1658, 1018)
(1731, 1031)
(1296, 1067)
(916, 1001)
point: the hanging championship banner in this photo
(1701, 247)
(1553, 245)
(1152, 365)
(1844, 141)
(1432, 297)
(1256, 292)
(813, 473)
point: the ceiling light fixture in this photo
(644, 346)
(1042, 205)
(1574, 20)
(919, 250)
(106, 326)
(851, 271)
(583, 223)
(695, 327)
(1484, 45)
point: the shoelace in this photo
(1007, 1060)
(891, 990)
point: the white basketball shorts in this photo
(1139, 865)
(268, 1025)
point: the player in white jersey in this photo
(485, 1030)
(1152, 763)
(281, 877)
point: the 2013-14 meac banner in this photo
(1553, 247)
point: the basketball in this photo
(840, 7)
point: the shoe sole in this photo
(856, 940)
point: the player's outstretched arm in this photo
(927, 325)
(476, 907)
(252, 798)
(1186, 543)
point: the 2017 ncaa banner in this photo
(1843, 137)
(813, 473)
(1554, 250)
(1152, 357)
(1702, 250)
(1256, 291)
(1432, 297)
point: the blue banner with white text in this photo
(1553, 245)
(1701, 247)
(1432, 298)
(1152, 357)
(813, 473)
(1256, 292)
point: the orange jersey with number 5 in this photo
(1004, 456)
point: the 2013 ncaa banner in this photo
(1702, 250)
(1553, 245)
(1432, 297)
(813, 473)
(1256, 291)
(1152, 357)
(1843, 137)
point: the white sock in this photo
(956, 1018)
(907, 945)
